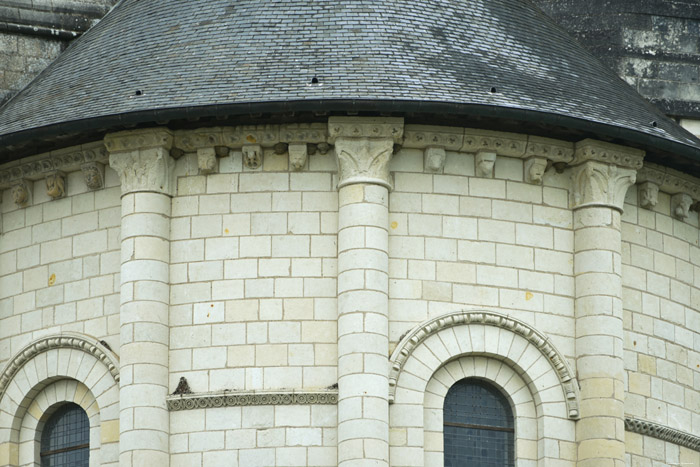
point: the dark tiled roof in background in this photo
(181, 54)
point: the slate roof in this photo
(160, 58)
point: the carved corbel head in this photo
(298, 154)
(434, 159)
(22, 193)
(206, 160)
(252, 156)
(648, 194)
(534, 169)
(94, 174)
(56, 185)
(680, 205)
(484, 164)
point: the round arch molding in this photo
(50, 360)
(468, 343)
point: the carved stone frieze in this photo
(263, 135)
(365, 127)
(206, 160)
(648, 193)
(65, 160)
(534, 169)
(252, 155)
(424, 330)
(364, 147)
(503, 144)
(56, 185)
(298, 154)
(600, 184)
(22, 192)
(304, 133)
(669, 181)
(599, 151)
(238, 399)
(680, 206)
(434, 159)
(147, 168)
(554, 150)
(62, 341)
(192, 140)
(426, 136)
(484, 163)
(663, 432)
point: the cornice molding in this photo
(62, 341)
(43, 165)
(487, 318)
(662, 432)
(669, 180)
(499, 142)
(366, 127)
(607, 153)
(241, 399)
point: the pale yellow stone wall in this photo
(661, 284)
(59, 264)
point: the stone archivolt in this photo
(488, 318)
(63, 341)
(662, 432)
(236, 399)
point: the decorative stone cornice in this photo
(364, 147)
(669, 180)
(501, 143)
(62, 341)
(313, 133)
(555, 150)
(607, 153)
(663, 432)
(487, 318)
(600, 184)
(142, 160)
(428, 136)
(42, 165)
(238, 399)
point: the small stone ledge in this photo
(662, 432)
(249, 398)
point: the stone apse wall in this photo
(319, 287)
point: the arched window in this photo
(478, 427)
(65, 439)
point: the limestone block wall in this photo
(661, 263)
(253, 274)
(458, 241)
(59, 259)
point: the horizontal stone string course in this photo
(63, 341)
(237, 399)
(662, 432)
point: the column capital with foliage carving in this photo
(364, 147)
(602, 173)
(142, 160)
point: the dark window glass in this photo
(65, 440)
(478, 429)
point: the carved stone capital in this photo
(56, 184)
(364, 147)
(598, 151)
(601, 184)
(94, 174)
(142, 160)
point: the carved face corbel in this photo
(252, 156)
(434, 159)
(55, 185)
(298, 154)
(484, 164)
(680, 206)
(535, 168)
(22, 193)
(648, 194)
(94, 174)
(206, 160)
